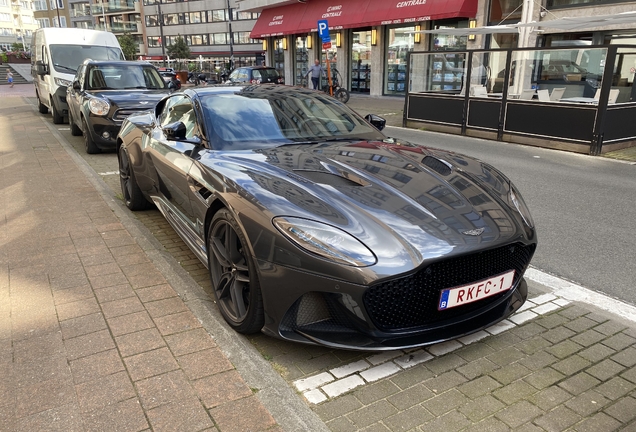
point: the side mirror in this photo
(76, 85)
(175, 131)
(376, 121)
(41, 68)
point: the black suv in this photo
(104, 93)
(256, 75)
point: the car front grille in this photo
(121, 114)
(412, 301)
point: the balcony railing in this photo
(113, 7)
(119, 27)
(79, 13)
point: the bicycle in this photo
(335, 90)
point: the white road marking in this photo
(107, 173)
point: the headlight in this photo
(520, 205)
(62, 82)
(326, 241)
(99, 106)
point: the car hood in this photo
(131, 98)
(407, 203)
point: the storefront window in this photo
(279, 57)
(444, 42)
(502, 10)
(399, 43)
(361, 61)
(504, 40)
(302, 64)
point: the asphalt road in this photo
(584, 208)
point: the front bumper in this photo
(104, 131)
(313, 309)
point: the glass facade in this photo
(444, 42)
(279, 56)
(361, 61)
(301, 58)
(399, 42)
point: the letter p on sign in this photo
(323, 30)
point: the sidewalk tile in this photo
(151, 363)
(579, 383)
(203, 363)
(624, 410)
(130, 323)
(376, 391)
(189, 342)
(123, 306)
(600, 422)
(113, 293)
(587, 403)
(445, 402)
(408, 419)
(616, 388)
(221, 388)
(186, 415)
(76, 309)
(88, 344)
(450, 422)
(519, 413)
(481, 407)
(164, 389)
(242, 415)
(42, 396)
(138, 342)
(104, 391)
(549, 398)
(65, 418)
(372, 413)
(177, 323)
(164, 307)
(558, 419)
(96, 366)
(125, 416)
(411, 396)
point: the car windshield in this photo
(257, 120)
(67, 58)
(122, 77)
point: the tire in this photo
(89, 144)
(133, 197)
(342, 95)
(75, 130)
(43, 109)
(233, 274)
(57, 117)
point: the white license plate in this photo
(465, 294)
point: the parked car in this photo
(167, 74)
(104, 93)
(256, 75)
(317, 228)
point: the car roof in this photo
(260, 89)
(256, 67)
(117, 62)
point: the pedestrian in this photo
(316, 72)
(10, 77)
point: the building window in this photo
(171, 19)
(43, 22)
(503, 10)
(220, 39)
(27, 19)
(218, 15)
(193, 18)
(39, 5)
(5, 17)
(243, 38)
(239, 16)
(154, 41)
(25, 5)
(57, 4)
(62, 22)
(361, 61)
(152, 20)
(197, 39)
(3, 3)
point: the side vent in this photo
(437, 165)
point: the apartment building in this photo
(16, 22)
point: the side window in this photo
(234, 75)
(244, 75)
(256, 75)
(80, 75)
(179, 108)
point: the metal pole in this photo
(229, 24)
(104, 17)
(163, 42)
(57, 9)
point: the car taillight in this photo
(280, 81)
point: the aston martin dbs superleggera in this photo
(317, 228)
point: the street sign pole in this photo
(323, 32)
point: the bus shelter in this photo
(579, 99)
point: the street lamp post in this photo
(163, 42)
(229, 24)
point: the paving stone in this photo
(413, 359)
(579, 383)
(615, 388)
(502, 341)
(381, 371)
(519, 413)
(450, 422)
(510, 373)
(571, 365)
(138, 342)
(66, 418)
(478, 387)
(549, 398)
(96, 366)
(587, 403)
(544, 378)
(551, 321)
(619, 341)
(610, 328)
(408, 419)
(514, 392)
(624, 410)
(76, 309)
(150, 363)
(89, 344)
(343, 385)
(474, 351)
(573, 312)
(342, 424)
(558, 419)
(104, 391)
(42, 396)
(444, 382)
(373, 392)
(506, 356)
(445, 402)
(117, 292)
(481, 407)
(412, 376)
(581, 324)
(337, 407)
(588, 338)
(528, 330)
(315, 396)
(597, 352)
(372, 413)
(600, 422)
(605, 369)
(491, 424)
(130, 323)
(177, 323)
(203, 363)
(533, 345)
(411, 396)
(446, 363)
(313, 381)
(477, 368)
(189, 415)
(351, 368)
(558, 334)
(538, 360)
(126, 415)
(82, 325)
(626, 357)
(630, 375)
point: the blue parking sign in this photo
(323, 31)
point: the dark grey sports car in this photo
(317, 228)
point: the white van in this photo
(56, 53)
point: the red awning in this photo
(411, 11)
(343, 14)
(279, 21)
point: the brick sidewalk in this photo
(92, 337)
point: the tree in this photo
(179, 50)
(128, 45)
(17, 46)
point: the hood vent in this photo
(437, 165)
(326, 178)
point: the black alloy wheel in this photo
(233, 274)
(43, 109)
(89, 144)
(133, 197)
